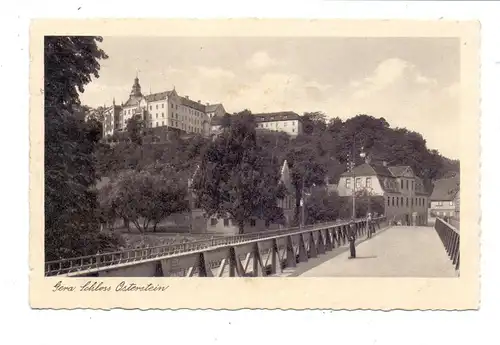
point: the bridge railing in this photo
(97, 261)
(450, 237)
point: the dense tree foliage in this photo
(71, 217)
(144, 197)
(325, 206)
(135, 127)
(237, 178)
(183, 154)
(316, 157)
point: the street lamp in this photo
(351, 164)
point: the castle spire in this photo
(136, 88)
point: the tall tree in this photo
(135, 126)
(71, 222)
(307, 167)
(322, 206)
(313, 122)
(236, 178)
(145, 197)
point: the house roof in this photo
(212, 107)
(276, 116)
(398, 170)
(387, 180)
(445, 189)
(366, 169)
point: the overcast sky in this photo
(411, 82)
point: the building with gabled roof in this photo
(405, 198)
(443, 200)
(283, 121)
(214, 110)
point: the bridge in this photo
(319, 250)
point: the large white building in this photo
(403, 192)
(164, 109)
(285, 121)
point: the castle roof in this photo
(159, 96)
(212, 107)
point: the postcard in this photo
(254, 163)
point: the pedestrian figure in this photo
(352, 239)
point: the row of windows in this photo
(368, 183)
(407, 184)
(359, 182)
(276, 124)
(400, 201)
(440, 203)
(262, 126)
(162, 105)
(193, 112)
(176, 116)
(444, 214)
(172, 123)
(190, 111)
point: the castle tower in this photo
(136, 88)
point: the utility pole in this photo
(350, 162)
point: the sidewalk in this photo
(401, 251)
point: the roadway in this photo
(400, 251)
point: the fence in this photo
(336, 232)
(451, 240)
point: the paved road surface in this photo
(396, 252)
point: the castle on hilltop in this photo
(165, 109)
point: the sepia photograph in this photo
(271, 156)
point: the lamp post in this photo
(351, 165)
(363, 155)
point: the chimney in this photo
(207, 104)
(384, 163)
(199, 101)
(187, 97)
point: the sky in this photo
(411, 82)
